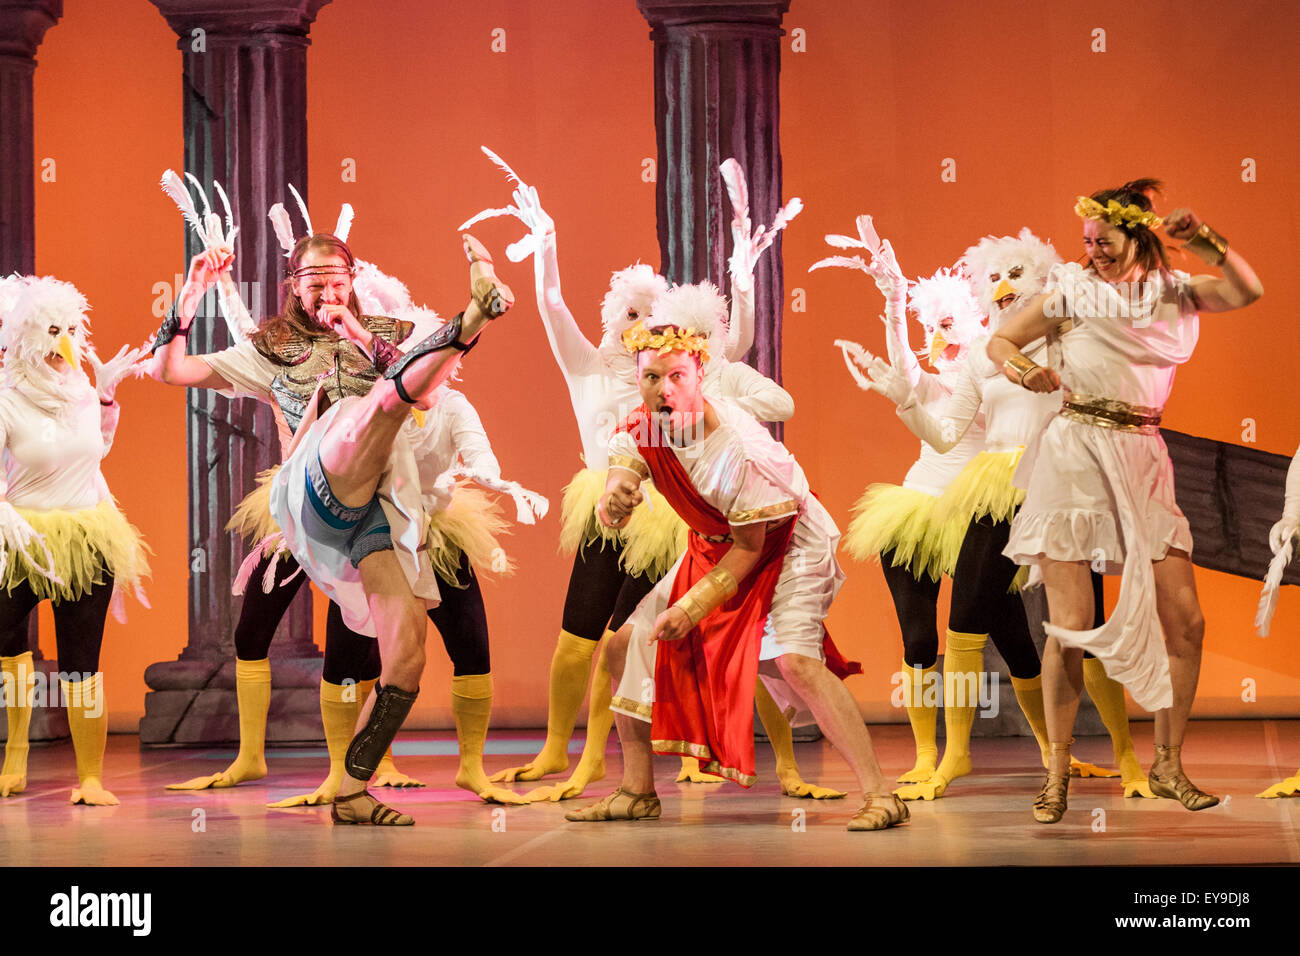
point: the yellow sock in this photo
(924, 720)
(782, 740)
(1029, 694)
(340, 704)
(600, 720)
(963, 663)
(88, 724)
(570, 668)
(18, 672)
(471, 703)
(1108, 697)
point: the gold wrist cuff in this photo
(1208, 245)
(1021, 365)
(707, 594)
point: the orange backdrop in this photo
(876, 98)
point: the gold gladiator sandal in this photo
(343, 812)
(1167, 779)
(1051, 803)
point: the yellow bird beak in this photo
(418, 415)
(937, 345)
(1004, 289)
(64, 348)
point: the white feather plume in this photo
(207, 209)
(737, 188)
(344, 225)
(511, 175)
(174, 186)
(283, 227)
(488, 214)
(845, 262)
(786, 214)
(225, 204)
(1272, 584)
(302, 208)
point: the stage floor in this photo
(985, 820)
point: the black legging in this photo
(601, 594)
(349, 656)
(980, 602)
(78, 625)
(461, 620)
(915, 603)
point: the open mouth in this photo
(1007, 301)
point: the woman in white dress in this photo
(1100, 482)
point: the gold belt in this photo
(713, 538)
(1111, 413)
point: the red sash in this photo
(704, 683)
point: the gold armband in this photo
(1208, 245)
(708, 594)
(1021, 365)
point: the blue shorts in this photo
(357, 532)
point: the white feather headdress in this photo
(946, 294)
(283, 224)
(994, 255)
(698, 306)
(636, 287)
(40, 303)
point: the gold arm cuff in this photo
(707, 594)
(780, 510)
(1208, 245)
(628, 463)
(1021, 365)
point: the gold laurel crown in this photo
(1116, 214)
(638, 338)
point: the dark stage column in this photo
(717, 94)
(244, 73)
(22, 27)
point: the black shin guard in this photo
(392, 704)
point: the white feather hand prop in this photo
(1272, 585)
(280, 222)
(344, 226)
(225, 204)
(737, 187)
(511, 175)
(855, 359)
(488, 214)
(302, 208)
(174, 187)
(866, 238)
(529, 505)
(784, 217)
(843, 262)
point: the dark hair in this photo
(1151, 255)
(294, 317)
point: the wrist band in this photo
(1208, 245)
(1021, 365)
(170, 328)
(707, 594)
(385, 353)
(108, 404)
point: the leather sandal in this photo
(1053, 799)
(881, 811)
(380, 815)
(619, 805)
(489, 293)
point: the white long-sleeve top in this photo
(51, 461)
(1012, 415)
(602, 380)
(936, 468)
(452, 432)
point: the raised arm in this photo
(171, 365)
(1238, 285)
(1039, 316)
(756, 393)
(573, 352)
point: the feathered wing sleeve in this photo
(942, 423)
(755, 393)
(246, 369)
(740, 330)
(470, 440)
(574, 353)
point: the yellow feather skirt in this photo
(985, 487)
(652, 541)
(469, 525)
(891, 517)
(252, 520)
(82, 544)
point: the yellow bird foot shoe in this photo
(394, 778)
(364, 810)
(241, 771)
(619, 805)
(1081, 768)
(691, 773)
(880, 812)
(91, 793)
(920, 773)
(1138, 788)
(573, 787)
(1290, 787)
(792, 785)
(321, 796)
(537, 768)
(12, 784)
(479, 785)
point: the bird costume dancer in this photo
(64, 539)
(281, 368)
(1281, 539)
(1004, 273)
(895, 524)
(1100, 483)
(614, 568)
(349, 502)
(754, 526)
